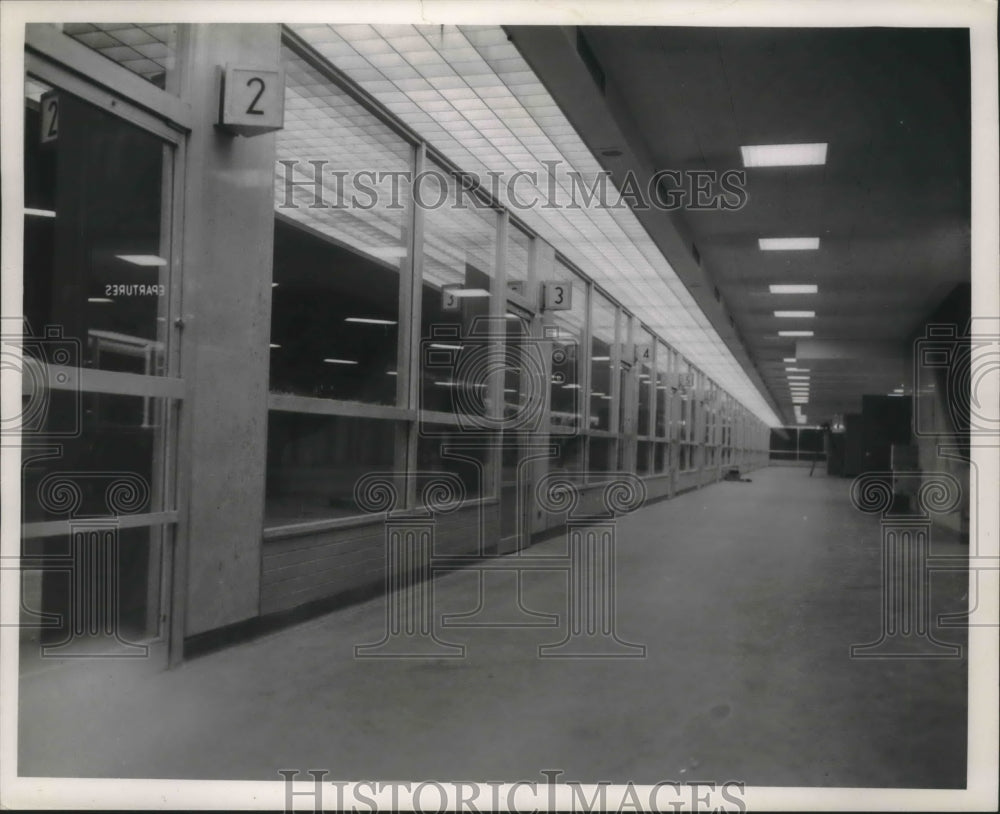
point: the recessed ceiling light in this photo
(795, 333)
(795, 314)
(793, 288)
(784, 155)
(340, 361)
(370, 321)
(142, 259)
(770, 244)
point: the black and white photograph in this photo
(480, 406)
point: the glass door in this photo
(521, 390)
(100, 365)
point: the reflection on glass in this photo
(117, 439)
(342, 198)
(646, 381)
(644, 457)
(313, 462)
(565, 328)
(146, 49)
(459, 253)
(518, 260)
(442, 450)
(600, 458)
(664, 391)
(602, 339)
(570, 456)
(96, 260)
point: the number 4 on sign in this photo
(557, 296)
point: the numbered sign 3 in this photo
(251, 100)
(450, 301)
(557, 296)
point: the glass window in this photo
(518, 259)
(101, 439)
(459, 254)
(662, 457)
(565, 328)
(313, 462)
(602, 331)
(570, 455)
(645, 348)
(600, 458)
(341, 244)
(446, 449)
(146, 49)
(663, 390)
(96, 258)
(644, 457)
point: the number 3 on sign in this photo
(557, 296)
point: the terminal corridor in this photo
(747, 597)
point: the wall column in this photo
(228, 243)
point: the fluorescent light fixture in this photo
(784, 155)
(600, 358)
(898, 390)
(340, 361)
(370, 321)
(99, 299)
(391, 373)
(790, 359)
(510, 390)
(39, 213)
(571, 387)
(274, 285)
(445, 384)
(795, 333)
(274, 346)
(895, 395)
(796, 370)
(443, 346)
(797, 378)
(795, 314)
(142, 259)
(793, 289)
(772, 244)
(469, 292)
(509, 315)
(595, 393)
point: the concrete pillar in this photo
(228, 242)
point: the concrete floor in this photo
(746, 595)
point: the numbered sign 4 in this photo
(557, 296)
(251, 100)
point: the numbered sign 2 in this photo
(557, 296)
(49, 104)
(252, 100)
